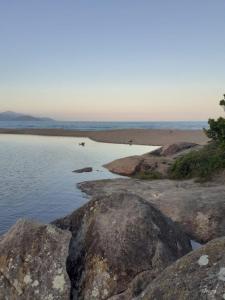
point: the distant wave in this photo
(95, 126)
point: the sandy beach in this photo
(153, 137)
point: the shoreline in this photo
(166, 217)
(151, 137)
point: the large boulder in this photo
(198, 275)
(198, 208)
(115, 239)
(33, 262)
(127, 166)
(139, 166)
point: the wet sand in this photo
(153, 137)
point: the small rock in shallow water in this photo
(83, 170)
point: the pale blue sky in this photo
(113, 60)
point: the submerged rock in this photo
(33, 262)
(198, 208)
(198, 275)
(116, 239)
(83, 170)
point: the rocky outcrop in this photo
(198, 208)
(122, 246)
(198, 275)
(152, 165)
(140, 166)
(33, 262)
(174, 149)
(127, 166)
(83, 170)
(116, 239)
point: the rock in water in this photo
(127, 166)
(134, 165)
(33, 262)
(198, 275)
(84, 170)
(116, 239)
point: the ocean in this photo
(192, 125)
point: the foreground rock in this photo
(116, 239)
(152, 165)
(198, 275)
(33, 262)
(198, 208)
(83, 170)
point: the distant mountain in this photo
(13, 116)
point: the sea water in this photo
(94, 126)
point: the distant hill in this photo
(13, 116)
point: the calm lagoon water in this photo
(36, 179)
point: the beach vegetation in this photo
(202, 164)
(216, 130)
(222, 102)
(205, 162)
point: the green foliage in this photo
(222, 102)
(216, 130)
(204, 163)
(201, 164)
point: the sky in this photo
(109, 60)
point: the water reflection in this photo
(36, 179)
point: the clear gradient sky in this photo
(113, 59)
